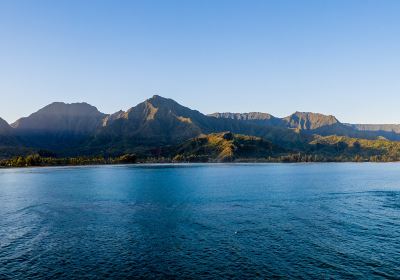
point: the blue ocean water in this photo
(203, 221)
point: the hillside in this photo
(223, 147)
(341, 148)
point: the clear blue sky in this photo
(338, 57)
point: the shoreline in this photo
(197, 163)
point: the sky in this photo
(339, 57)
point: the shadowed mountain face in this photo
(60, 118)
(309, 121)
(4, 127)
(79, 128)
(378, 127)
(9, 144)
(58, 127)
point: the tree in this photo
(128, 158)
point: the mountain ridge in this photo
(297, 120)
(77, 118)
(80, 128)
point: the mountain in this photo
(223, 147)
(309, 121)
(326, 125)
(156, 120)
(58, 127)
(388, 131)
(80, 129)
(298, 120)
(159, 124)
(10, 146)
(61, 118)
(160, 121)
(5, 128)
(305, 121)
(395, 128)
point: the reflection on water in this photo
(201, 221)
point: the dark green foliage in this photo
(223, 147)
(130, 158)
(45, 153)
(37, 160)
(340, 148)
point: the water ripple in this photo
(231, 222)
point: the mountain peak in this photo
(157, 101)
(156, 96)
(309, 120)
(156, 120)
(71, 109)
(76, 118)
(310, 114)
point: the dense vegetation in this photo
(341, 148)
(37, 160)
(223, 147)
(229, 147)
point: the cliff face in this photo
(309, 121)
(298, 120)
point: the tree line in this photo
(37, 160)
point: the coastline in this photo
(166, 163)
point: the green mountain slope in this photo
(348, 149)
(223, 147)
